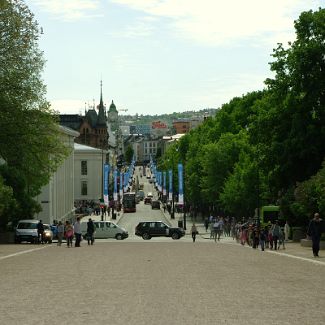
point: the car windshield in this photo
(27, 225)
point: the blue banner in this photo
(115, 185)
(164, 183)
(170, 183)
(121, 185)
(180, 184)
(105, 183)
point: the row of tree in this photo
(31, 147)
(267, 146)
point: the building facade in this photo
(88, 172)
(57, 197)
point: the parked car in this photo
(26, 230)
(147, 200)
(105, 229)
(155, 205)
(149, 229)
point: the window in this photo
(83, 167)
(84, 188)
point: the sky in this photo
(160, 56)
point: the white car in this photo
(105, 229)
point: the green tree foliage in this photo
(293, 121)
(309, 197)
(30, 141)
(129, 154)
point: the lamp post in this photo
(184, 207)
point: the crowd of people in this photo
(70, 231)
(270, 236)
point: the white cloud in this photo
(221, 22)
(69, 10)
(140, 29)
(68, 106)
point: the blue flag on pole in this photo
(105, 183)
(180, 184)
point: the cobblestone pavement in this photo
(152, 282)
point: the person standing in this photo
(60, 232)
(315, 232)
(40, 232)
(276, 234)
(90, 231)
(77, 232)
(68, 233)
(286, 231)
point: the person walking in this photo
(206, 224)
(68, 233)
(315, 231)
(90, 231)
(194, 232)
(77, 232)
(40, 232)
(60, 232)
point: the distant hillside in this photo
(166, 118)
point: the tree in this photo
(30, 140)
(129, 154)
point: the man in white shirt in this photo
(77, 232)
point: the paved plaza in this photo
(155, 282)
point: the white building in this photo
(57, 197)
(88, 173)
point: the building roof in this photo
(112, 107)
(83, 148)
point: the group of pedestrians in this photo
(71, 231)
(270, 236)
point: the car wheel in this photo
(175, 235)
(17, 241)
(146, 236)
(50, 241)
(118, 236)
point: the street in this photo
(159, 281)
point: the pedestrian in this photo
(40, 232)
(314, 231)
(263, 236)
(60, 232)
(194, 232)
(77, 232)
(206, 224)
(276, 234)
(90, 232)
(215, 229)
(286, 231)
(256, 237)
(68, 233)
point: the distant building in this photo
(144, 129)
(57, 197)
(182, 126)
(92, 127)
(88, 176)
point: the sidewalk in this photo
(292, 249)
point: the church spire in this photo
(101, 114)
